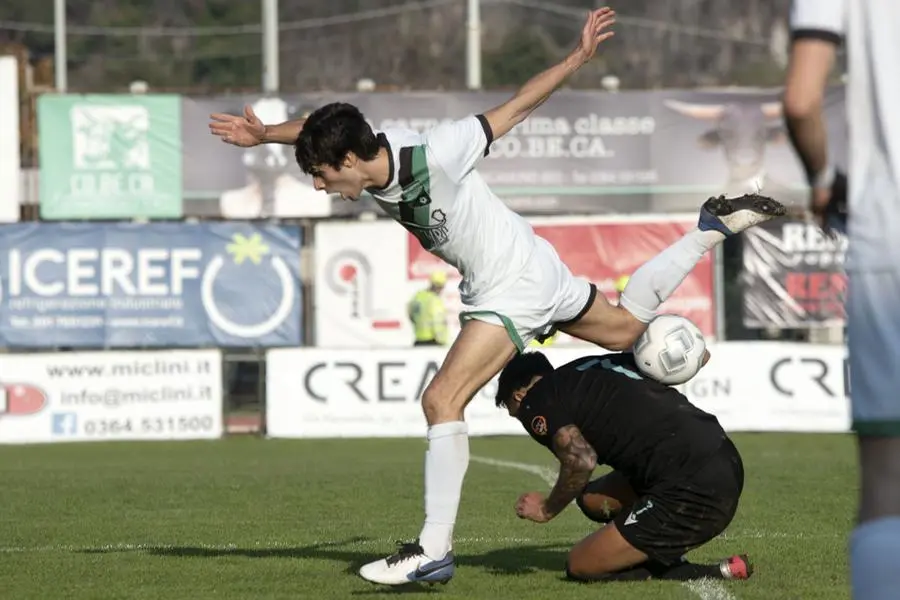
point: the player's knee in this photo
(628, 331)
(572, 575)
(611, 327)
(579, 569)
(440, 404)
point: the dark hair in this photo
(330, 133)
(518, 373)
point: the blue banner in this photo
(168, 285)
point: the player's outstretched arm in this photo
(577, 460)
(536, 91)
(248, 130)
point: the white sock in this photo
(874, 548)
(445, 468)
(656, 279)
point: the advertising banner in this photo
(584, 152)
(774, 386)
(10, 160)
(106, 396)
(748, 386)
(793, 276)
(367, 272)
(110, 156)
(149, 285)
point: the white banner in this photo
(93, 396)
(361, 286)
(774, 386)
(752, 386)
(10, 163)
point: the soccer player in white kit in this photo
(871, 30)
(515, 288)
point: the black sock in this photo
(683, 571)
(686, 571)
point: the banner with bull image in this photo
(581, 152)
(149, 285)
(793, 276)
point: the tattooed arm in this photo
(577, 460)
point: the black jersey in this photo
(644, 429)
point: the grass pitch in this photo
(251, 518)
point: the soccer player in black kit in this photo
(676, 477)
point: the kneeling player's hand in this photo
(531, 506)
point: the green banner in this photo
(110, 157)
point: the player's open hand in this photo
(596, 30)
(531, 506)
(239, 130)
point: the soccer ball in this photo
(671, 350)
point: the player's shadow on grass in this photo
(515, 560)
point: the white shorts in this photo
(546, 294)
(873, 340)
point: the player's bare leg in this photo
(478, 354)
(603, 552)
(606, 556)
(618, 327)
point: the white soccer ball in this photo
(671, 350)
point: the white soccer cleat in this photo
(734, 215)
(408, 565)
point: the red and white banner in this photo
(367, 272)
(107, 396)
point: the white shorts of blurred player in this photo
(873, 340)
(545, 295)
(873, 304)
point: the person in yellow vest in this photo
(545, 343)
(428, 313)
(621, 282)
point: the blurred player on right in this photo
(871, 31)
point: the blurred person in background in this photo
(428, 313)
(621, 282)
(869, 28)
(544, 343)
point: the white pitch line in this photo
(705, 589)
(544, 473)
(709, 589)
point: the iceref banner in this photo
(120, 285)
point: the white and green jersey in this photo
(869, 29)
(435, 192)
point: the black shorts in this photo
(670, 519)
